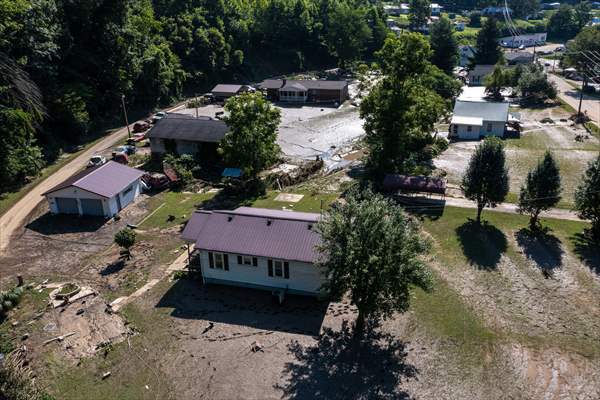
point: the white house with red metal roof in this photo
(99, 191)
(258, 248)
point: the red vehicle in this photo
(139, 127)
(156, 181)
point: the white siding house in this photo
(100, 191)
(257, 248)
(476, 119)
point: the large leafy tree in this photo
(486, 180)
(444, 45)
(250, 143)
(583, 14)
(563, 24)
(535, 86)
(541, 189)
(347, 32)
(587, 197)
(496, 81)
(523, 8)
(402, 108)
(420, 10)
(487, 49)
(372, 252)
(583, 48)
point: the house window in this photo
(469, 128)
(218, 261)
(126, 191)
(247, 260)
(489, 127)
(279, 269)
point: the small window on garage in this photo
(489, 127)
(128, 190)
(469, 128)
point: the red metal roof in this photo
(105, 180)
(394, 182)
(285, 235)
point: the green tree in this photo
(541, 189)
(125, 239)
(563, 24)
(523, 8)
(583, 14)
(402, 108)
(535, 86)
(496, 81)
(587, 197)
(444, 45)
(250, 143)
(372, 251)
(486, 179)
(420, 10)
(582, 49)
(347, 32)
(487, 49)
(475, 19)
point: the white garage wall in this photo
(75, 193)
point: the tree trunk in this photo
(359, 325)
(533, 221)
(479, 210)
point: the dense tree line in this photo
(70, 61)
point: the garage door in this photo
(91, 207)
(66, 206)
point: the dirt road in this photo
(12, 220)
(571, 96)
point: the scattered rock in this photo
(106, 375)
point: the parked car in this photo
(156, 181)
(96, 161)
(158, 116)
(127, 149)
(121, 158)
(140, 127)
(560, 48)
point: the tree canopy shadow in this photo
(55, 224)
(587, 250)
(113, 267)
(483, 244)
(541, 247)
(340, 367)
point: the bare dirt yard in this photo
(543, 129)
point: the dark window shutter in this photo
(211, 260)
(255, 261)
(286, 270)
(240, 260)
(270, 262)
(226, 262)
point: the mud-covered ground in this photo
(572, 146)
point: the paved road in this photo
(14, 218)
(571, 97)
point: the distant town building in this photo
(550, 6)
(495, 11)
(518, 57)
(222, 91)
(527, 40)
(436, 9)
(302, 91)
(477, 75)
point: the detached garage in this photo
(101, 191)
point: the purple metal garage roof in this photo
(106, 180)
(285, 235)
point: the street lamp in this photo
(125, 114)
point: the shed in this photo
(478, 74)
(103, 190)
(223, 91)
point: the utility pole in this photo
(196, 103)
(125, 114)
(581, 95)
